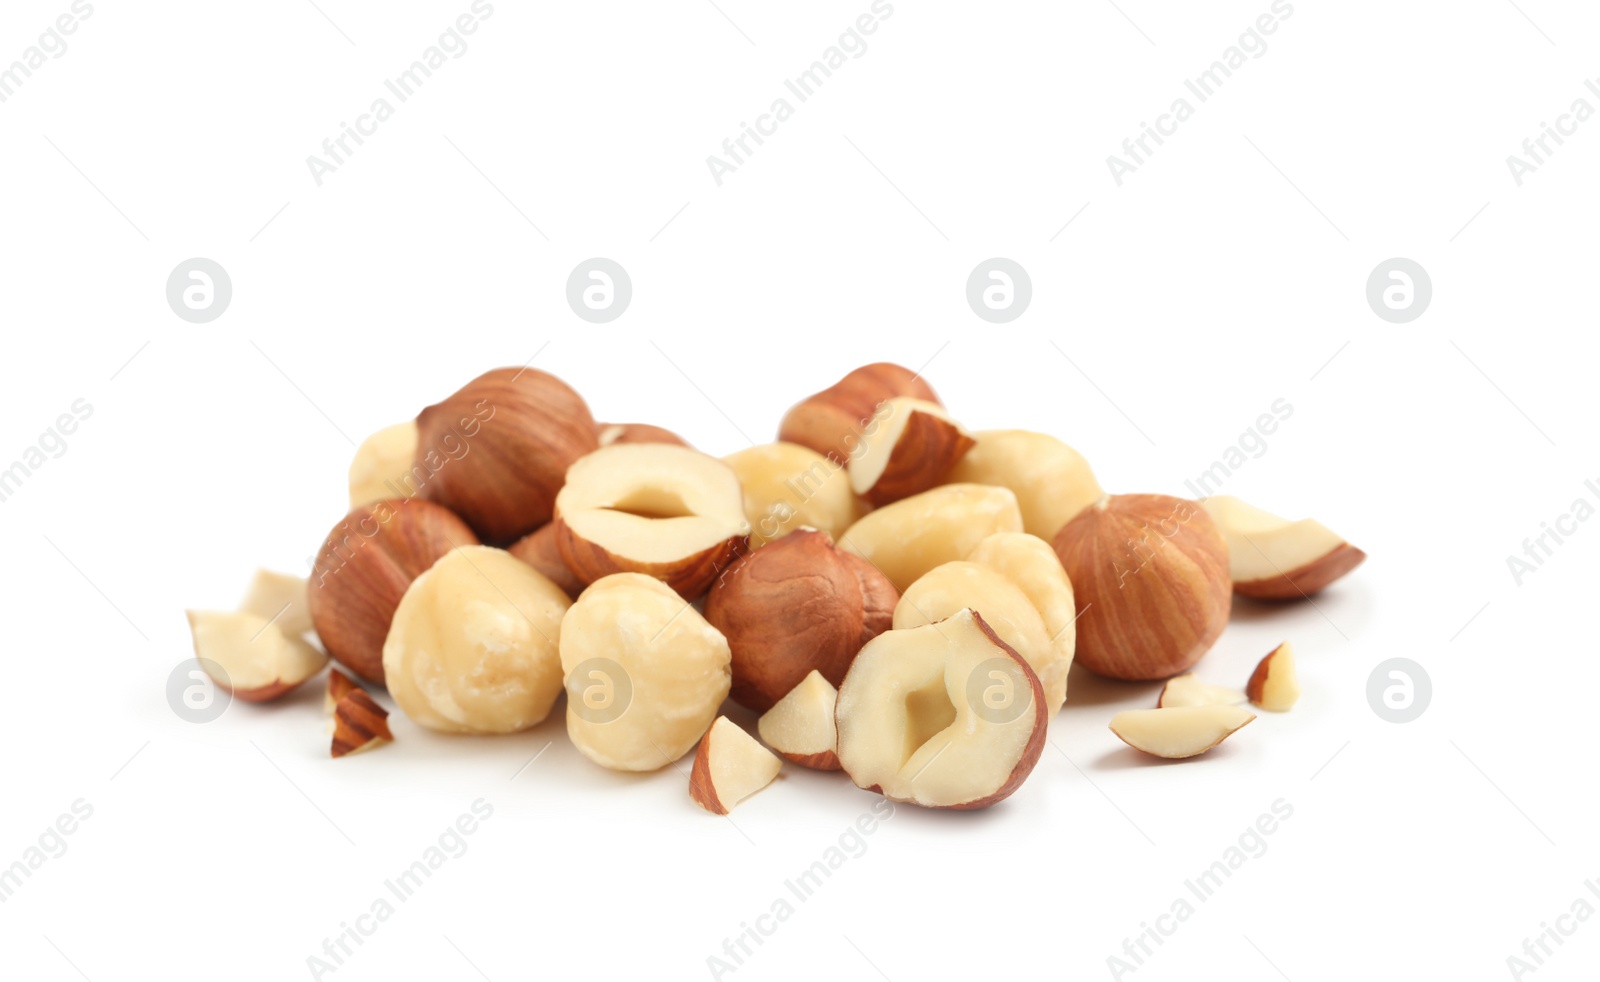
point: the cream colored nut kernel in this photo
(915, 534)
(382, 468)
(786, 486)
(473, 644)
(1016, 582)
(1051, 480)
(280, 598)
(249, 656)
(645, 673)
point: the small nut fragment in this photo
(609, 433)
(787, 486)
(473, 645)
(258, 661)
(497, 451)
(1272, 558)
(359, 724)
(833, 421)
(645, 673)
(540, 550)
(382, 467)
(801, 727)
(668, 512)
(1052, 481)
(363, 569)
(915, 534)
(1150, 575)
(281, 599)
(1188, 690)
(339, 685)
(1177, 733)
(729, 767)
(797, 605)
(912, 448)
(1274, 685)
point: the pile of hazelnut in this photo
(898, 598)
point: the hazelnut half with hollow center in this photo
(944, 716)
(653, 508)
(472, 648)
(1272, 558)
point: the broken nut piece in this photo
(359, 724)
(1188, 690)
(1176, 733)
(258, 662)
(339, 686)
(833, 421)
(729, 767)
(1274, 685)
(1272, 558)
(911, 449)
(801, 727)
(280, 598)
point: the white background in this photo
(1226, 273)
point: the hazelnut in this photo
(496, 452)
(1052, 481)
(473, 645)
(363, 569)
(833, 421)
(1150, 575)
(609, 433)
(645, 673)
(911, 449)
(247, 655)
(787, 486)
(383, 465)
(668, 512)
(798, 605)
(539, 550)
(906, 539)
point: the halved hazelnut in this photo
(653, 508)
(915, 534)
(833, 421)
(496, 451)
(472, 648)
(540, 550)
(911, 449)
(1188, 690)
(258, 661)
(1274, 685)
(359, 723)
(1052, 481)
(729, 767)
(801, 727)
(363, 569)
(609, 433)
(645, 673)
(787, 486)
(944, 716)
(1273, 558)
(280, 598)
(382, 467)
(800, 604)
(1176, 733)
(1150, 576)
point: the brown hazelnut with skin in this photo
(796, 605)
(832, 421)
(363, 569)
(497, 451)
(609, 433)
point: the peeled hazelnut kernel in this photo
(359, 723)
(1052, 481)
(1015, 581)
(539, 550)
(363, 569)
(668, 512)
(798, 605)
(1272, 558)
(729, 767)
(382, 467)
(833, 421)
(787, 486)
(1275, 686)
(257, 661)
(609, 433)
(473, 645)
(913, 535)
(280, 598)
(1150, 575)
(497, 451)
(645, 673)
(944, 716)
(1178, 733)
(801, 727)
(912, 448)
